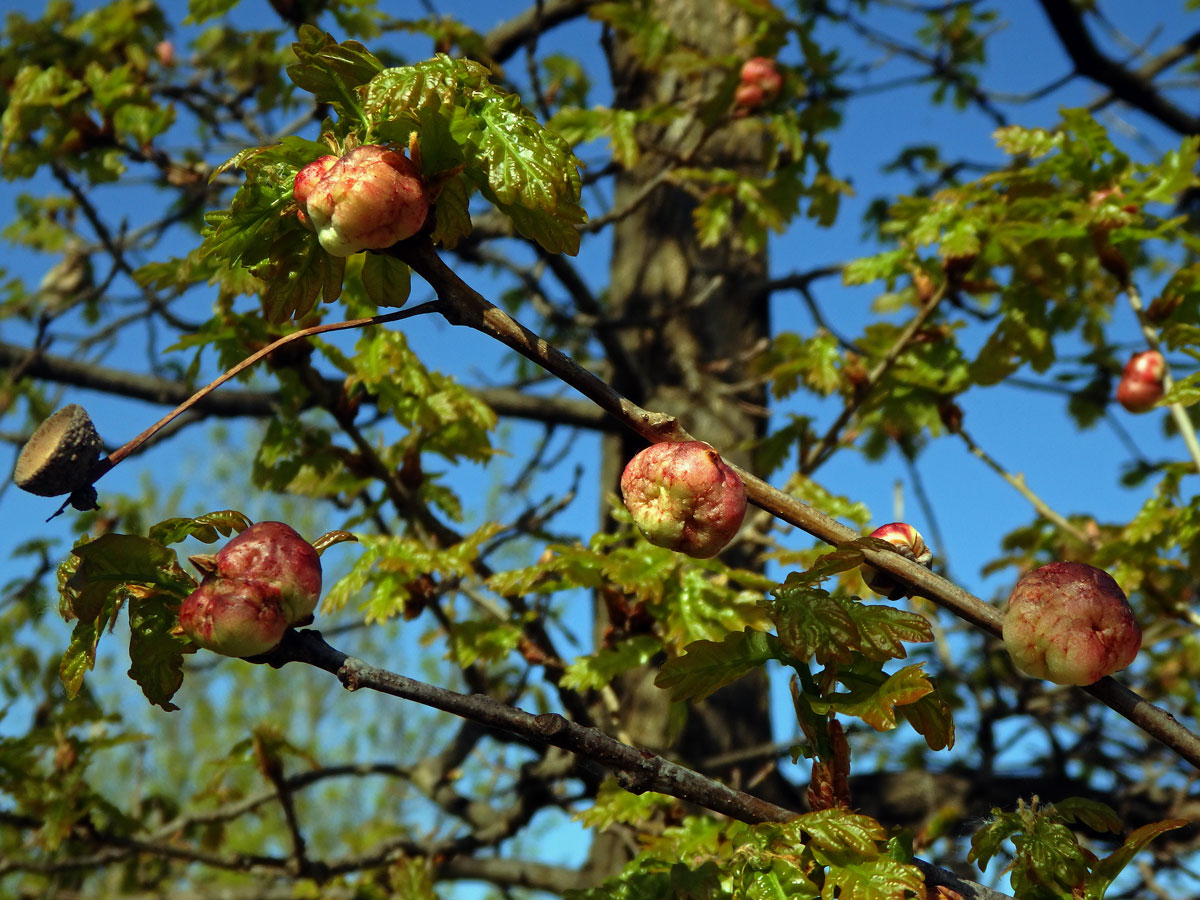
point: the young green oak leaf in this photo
(387, 281)
(875, 696)
(476, 640)
(850, 848)
(614, 805)
(883, 630)
(1105, 872)
(262, 234)
(124, 569)
(297, 272)
(110, 563)
(840, 831)
(880, 878)
(843, 559)
(601, 667)
(810, 622)
(243, 234)
(155, 653)
(1049, 861)
(208, 528)
(706, 666)
(333, 72)
(932, 718)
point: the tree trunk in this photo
(695, 316)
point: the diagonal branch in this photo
(637, 771)
(1066, 17)
(1017, 481)
(822, 450)
(236, 402)
(465, 306)
(507, 38)
(78, 373)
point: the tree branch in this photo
(37, 363)
(821, 451)
(465, 306)
(230, 403)
(637, 770)
(1066, 17)
(515, 873)
(1017, 480)
(135, 442)
(507, 38)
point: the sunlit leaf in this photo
(601, 667)
(386, 279)
(207, 528)
(706, 666)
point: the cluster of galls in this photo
(1142, 382)
(265, 580)
(1067, 622)
(759, 84)
(368, 199)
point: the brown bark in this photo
(693, 316)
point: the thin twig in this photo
(828, 443)
(114, 247)
(1132, 87)
(1178, 413)
(133, 444)
(1017, 480)
(272, 768)
(927, 510)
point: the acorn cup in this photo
(59, 458)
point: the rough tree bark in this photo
(690, 318)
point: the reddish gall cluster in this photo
(264, 580)
(165, 52)
(760, 84)
(1142, 383)
(909, 544)
(1070, 623)
(368, 200)
(684, 497)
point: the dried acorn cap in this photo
(60, 456)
